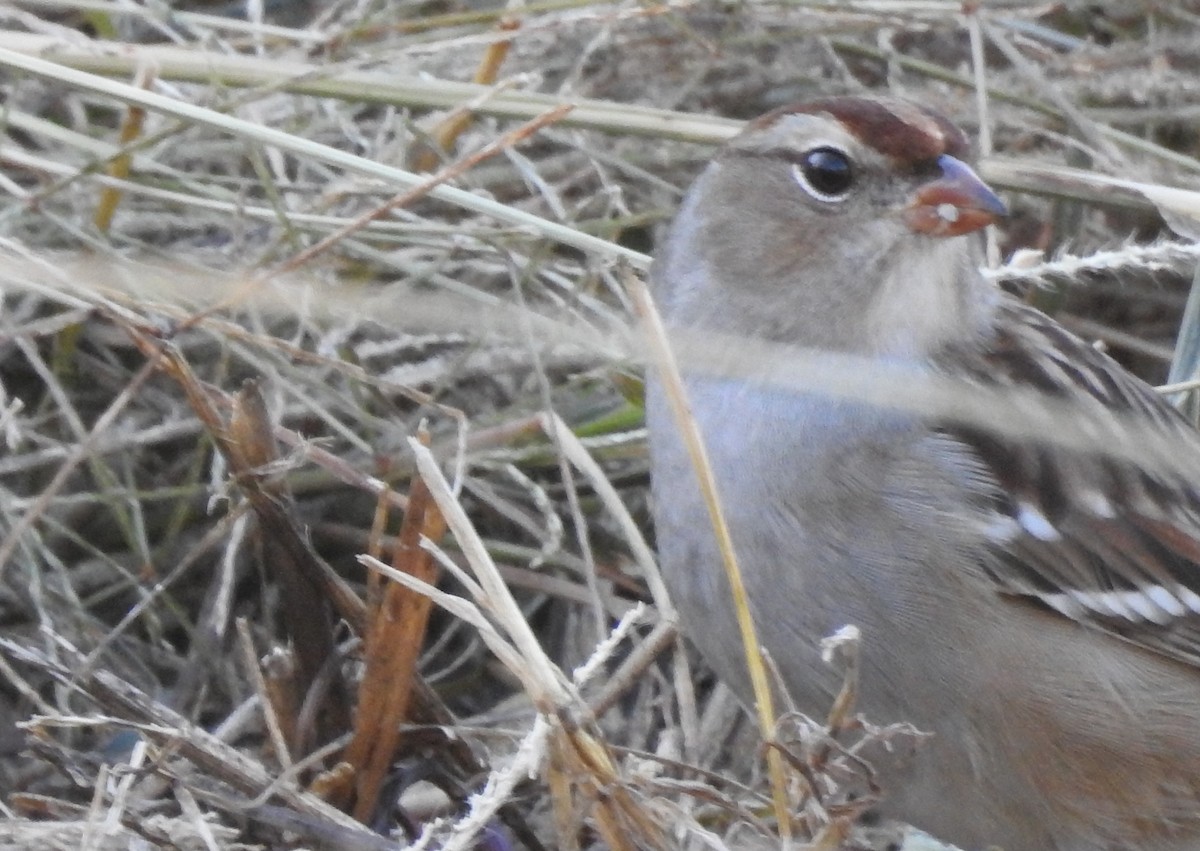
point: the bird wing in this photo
(1096, 537)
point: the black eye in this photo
(825, 173)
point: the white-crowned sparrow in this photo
(1033, 605)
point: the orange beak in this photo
(958, 202)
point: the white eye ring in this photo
(826, 164)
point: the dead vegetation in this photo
(322, 488)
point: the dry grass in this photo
(241, 272)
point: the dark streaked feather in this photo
(1088, 535)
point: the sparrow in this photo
(1032, 603)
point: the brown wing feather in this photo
(1091, 536)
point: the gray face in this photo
(800, 232)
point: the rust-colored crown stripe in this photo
(904, 132)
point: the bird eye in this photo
(824, 173)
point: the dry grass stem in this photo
(226, 308)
